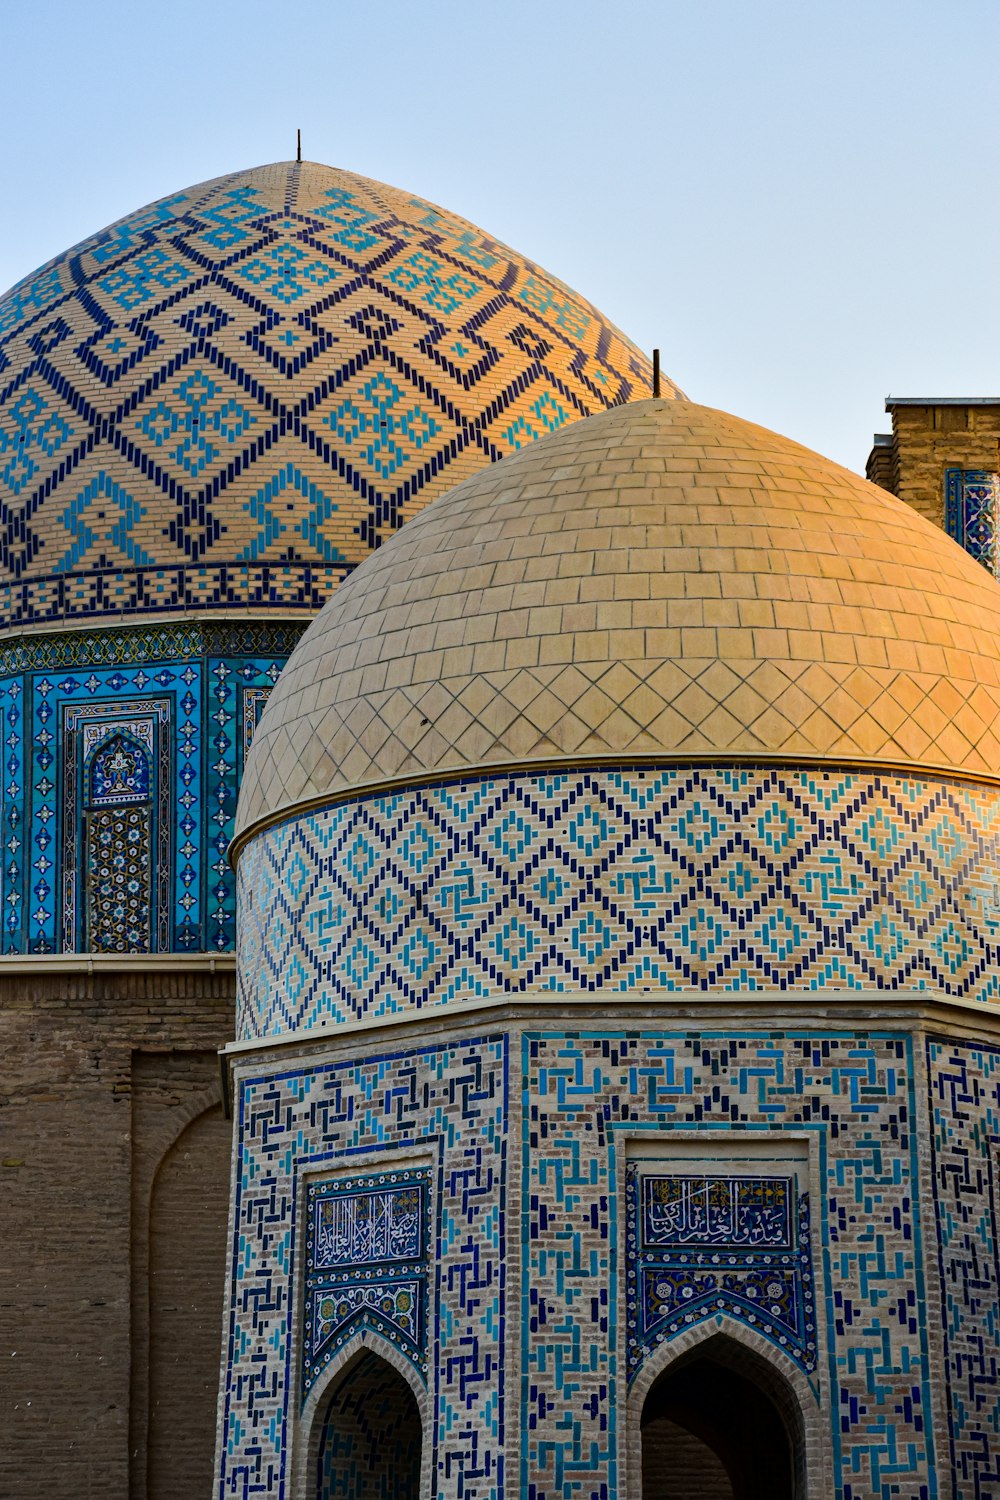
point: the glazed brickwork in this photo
(230, 397)
(370, 1448)
(122, 753)
(905, 1339)
(964, 1085)
(588, 1094)
(449, 1105)
(684, 879)
(661, 580)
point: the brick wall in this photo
(929, 439)
(678, 1464)
(108, 1102)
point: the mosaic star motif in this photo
(289, 321)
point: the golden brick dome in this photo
(660, 582)
(227, 399)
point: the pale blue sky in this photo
(797, 202)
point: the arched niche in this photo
(720, 1422)
(187, 1235)
(118, 874)
(368, 1435)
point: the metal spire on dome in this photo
(298, 145)
(656, 372)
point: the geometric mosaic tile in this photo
(164, 378)
(599, 1113)
(448, 1102)
(203, 688)
(964, 1099)
(611, 881)
(588, 1097)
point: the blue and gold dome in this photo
(228, 398)
(210, 413)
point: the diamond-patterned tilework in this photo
(660, 580)
(279, 366)
(611, 881)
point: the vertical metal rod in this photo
(298, 150)
(656, 372)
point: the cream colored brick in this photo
(809, 614)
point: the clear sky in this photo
(797, 201)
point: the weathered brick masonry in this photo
(928, 438)
(115, 1161)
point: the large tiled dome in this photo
(662, 581)
(228, 398)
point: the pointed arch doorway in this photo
(371, 1436)
(721, 1424)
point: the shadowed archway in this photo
(720, 1424)
(371, 1436)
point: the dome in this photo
(662, 582)
(227, 399)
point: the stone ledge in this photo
(729, 1010)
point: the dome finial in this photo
(298, 145)
(656, 372)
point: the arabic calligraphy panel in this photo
(686, 1210)
(704, 1242)
(366, 1264)
(353, 1228)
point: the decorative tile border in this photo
(209, 702)
(616, 881)
(367, 1242)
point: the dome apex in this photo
(663, 581)
(226, 399)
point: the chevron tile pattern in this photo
(233, 395)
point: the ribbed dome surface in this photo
(227, 399)
(663, 580)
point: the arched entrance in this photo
(370, 1441)
(720, 1424)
